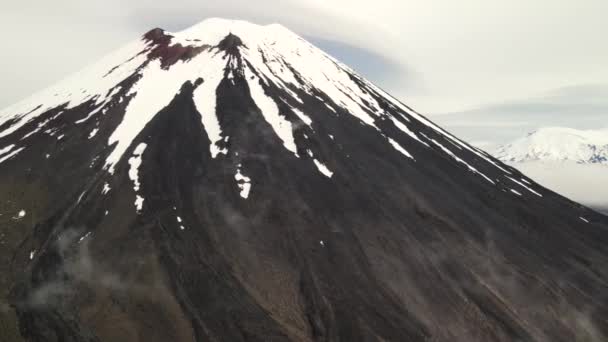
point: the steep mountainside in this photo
(231, 182)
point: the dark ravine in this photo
(387, 248)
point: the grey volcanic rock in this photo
(233, 183)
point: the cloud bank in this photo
(458, 55)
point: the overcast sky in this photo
(486, 65)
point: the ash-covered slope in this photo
(232, 182)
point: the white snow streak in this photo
(399, 148)
(6, 149)
(451, 154)
(10, 155)
(320, 166)
(37, 129)
(515, 192)
(84, 237)
(282, 127)
(406, 130)
(205, 99)
(323, 169)
(428, 123)
(524, 186)
(81, 196)
(305, 118)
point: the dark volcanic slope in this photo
(233, 183)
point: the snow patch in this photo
(139, 203)
(243, 182)
(93, 133)
(135, 163)
(21, 214)
(106, 189)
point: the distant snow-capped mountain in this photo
(558, 144)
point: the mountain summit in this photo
(232, 182)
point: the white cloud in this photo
(469, 53)
(582, 107)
